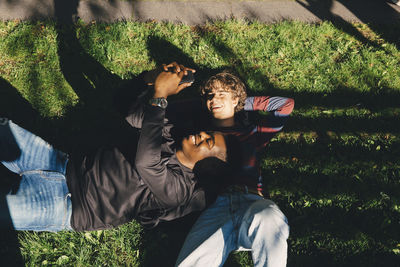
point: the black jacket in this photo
(107, 189)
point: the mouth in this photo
(216, 108)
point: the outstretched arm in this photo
(280, 107)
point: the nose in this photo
(208, 138)
(204, 136)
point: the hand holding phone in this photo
(188, 78)
(175, 67)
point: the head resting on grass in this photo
(224, 94)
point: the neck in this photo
(224, 122)
(184, 160)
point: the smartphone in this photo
(189, 78)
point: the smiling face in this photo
(221, 104)
(200, 146)
(224, 94)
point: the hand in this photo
(175, 67)
(151, 75)
(167, 82)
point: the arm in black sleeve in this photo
(166, 184)
(136, 114)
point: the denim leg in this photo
(212, 237)
(22, 151)
(264, 230)
(42, 203)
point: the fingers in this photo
(183, 86)
(186, 69)
(175, 67)
(190, 69)
(181, 74)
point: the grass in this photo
(334, 171)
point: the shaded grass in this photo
(334, 171)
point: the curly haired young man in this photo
(241, 218)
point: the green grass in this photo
(334, 171)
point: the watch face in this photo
(161, 102)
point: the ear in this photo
(235, 101)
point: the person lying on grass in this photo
(241, 218)
(105, 189)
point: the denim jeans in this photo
(42, 201)
(237, 221)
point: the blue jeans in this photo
(42, 201)
(237, 221)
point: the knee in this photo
(265, 216)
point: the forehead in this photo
(219, 90)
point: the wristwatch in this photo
(160, 102)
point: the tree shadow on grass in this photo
(317, 231)
(91, 81)
(366, 11)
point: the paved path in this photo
(199, 12)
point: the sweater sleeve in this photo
(279, 107)
(166, 184)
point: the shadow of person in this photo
(15, 107)
(103, 96)
(162, 51)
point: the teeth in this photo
(194, 139)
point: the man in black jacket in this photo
(106, 189)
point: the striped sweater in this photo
(255, 136)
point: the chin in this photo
(220, 116)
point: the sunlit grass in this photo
(334, 170)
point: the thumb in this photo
(183, 86)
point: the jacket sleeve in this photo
(165, 183)
(279, 107)
(136, 114)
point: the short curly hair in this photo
(227, 82)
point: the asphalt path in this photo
(200, 12)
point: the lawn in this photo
(334, 170)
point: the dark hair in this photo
(227, 82)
